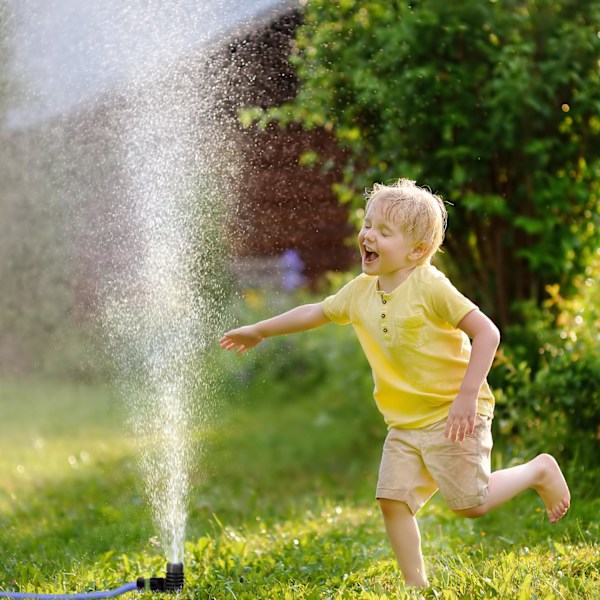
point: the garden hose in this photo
(173, 583)
(128, 587)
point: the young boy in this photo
(430, 382)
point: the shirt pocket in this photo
(410, 330)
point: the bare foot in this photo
(552, 487)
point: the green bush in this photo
(492, 104)
(547, 376)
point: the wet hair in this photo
(415, 209)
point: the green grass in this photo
(282, 504)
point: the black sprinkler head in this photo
(174, 581)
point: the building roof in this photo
(66, 52)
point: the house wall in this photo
(282, 204)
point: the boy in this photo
(430, 382)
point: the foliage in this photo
(493, 104)
(555, 400)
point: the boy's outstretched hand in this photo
(461, 418)
(241, 339)
(301, 318)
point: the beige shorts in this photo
(418, 462)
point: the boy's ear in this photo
(418, 252)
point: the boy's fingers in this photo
(457, 429)
(447, 430)
(460, 432)
(228, 344)
(468, 429)
(451, 432)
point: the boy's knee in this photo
(393, 507)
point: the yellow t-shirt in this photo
(410, 338)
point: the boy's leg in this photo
(403, 487)
(542, 474)
(405, 539)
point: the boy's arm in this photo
(301, 318)
(486, 338)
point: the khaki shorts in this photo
(418, 462)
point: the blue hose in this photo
(128, 587)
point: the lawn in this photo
(282, 504)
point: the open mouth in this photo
(370, 256)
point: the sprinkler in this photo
(174, 577)
(172, 583)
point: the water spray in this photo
(172, 583)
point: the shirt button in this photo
(383, 315)
(384, 301)
(385, 330)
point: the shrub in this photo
(547, 377)
(492, 104)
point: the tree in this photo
(492, 103)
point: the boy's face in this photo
(387, 250)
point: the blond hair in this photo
(416, 210)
